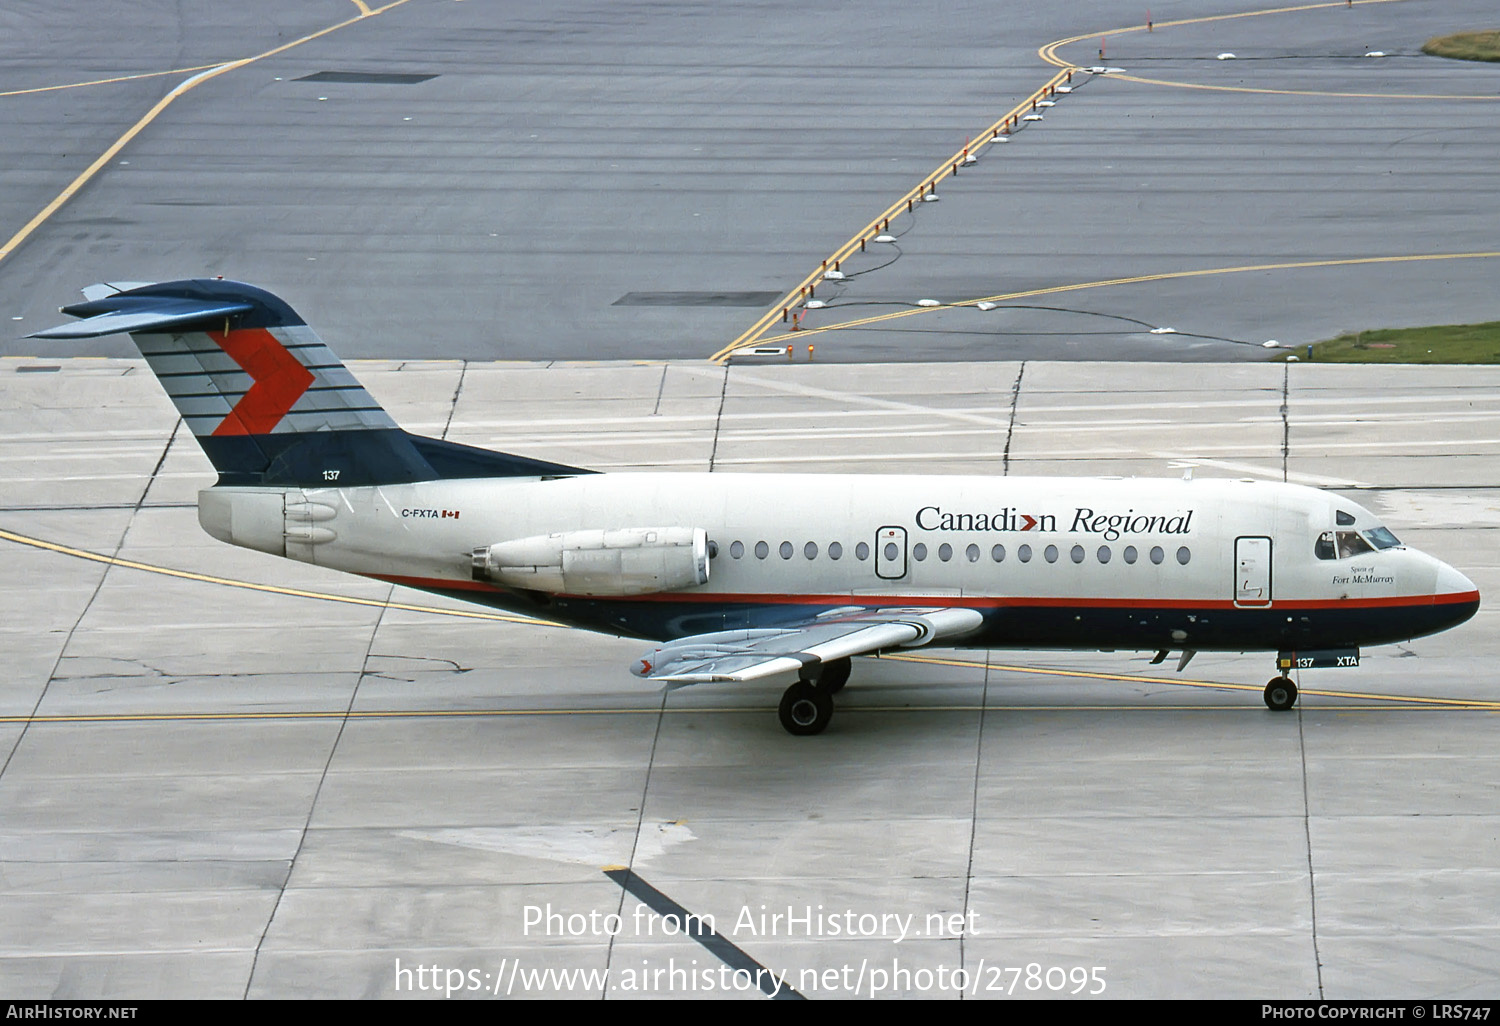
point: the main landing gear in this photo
(807, 706)
(1281, 694)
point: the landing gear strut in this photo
(1281, 694)
(835, 675)
(807, 706)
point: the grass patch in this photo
(1466, 46)
(1447, 343)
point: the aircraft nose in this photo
(1456, 594)
(1452, 583)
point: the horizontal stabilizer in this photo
(142, 314)
(105, 289)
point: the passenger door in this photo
(1252, 572)
(890, 553)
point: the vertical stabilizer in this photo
(265, 397)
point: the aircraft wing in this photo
(837, 634)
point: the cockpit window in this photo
(1344, 544)
(1351, 544)
(1381, 538)
(1344, 519)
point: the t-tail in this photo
(269, 402)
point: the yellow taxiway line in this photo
(1390, 701)
(865, 322)
(794, 298)
(1303, 92)
(799, 292)
(1479, 705)
(1049, 54)
(104, 81)
(654, 709)
(229, 582)
(151, 115)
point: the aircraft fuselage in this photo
(1047, 562)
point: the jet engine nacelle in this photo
(628, 561)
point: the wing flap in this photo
(753, 654)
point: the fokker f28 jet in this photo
(739, 577)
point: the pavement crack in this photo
(1286, 424)
(312, 806)
(428, 662)
(463, 370)
(713, 453)
(1010, 429)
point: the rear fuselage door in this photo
(1252, 572)
(890, 553)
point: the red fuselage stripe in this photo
(966, 602)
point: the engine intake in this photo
(627, 561)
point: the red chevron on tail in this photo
(279, 381)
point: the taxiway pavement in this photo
(226, 774)
(590, 181)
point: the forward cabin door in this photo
(890, 553)
(1252, 572)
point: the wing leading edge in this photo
(837, 634)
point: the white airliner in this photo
(740, 577)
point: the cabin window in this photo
(1104, 553)
(1050, 553)
(736, 549)
(1183, 555)
(998, 553)
(862, 551)
(786, 550)
(1077, 554)
(762, 550)
(713, 550)
(919, 552)
(1157, 555)
(972, 553)
(1024, 553)
(891, 551)
(945, 552)
(810, 550)
(835, 550)
(1129, 555)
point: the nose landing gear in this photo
(1281, 694)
